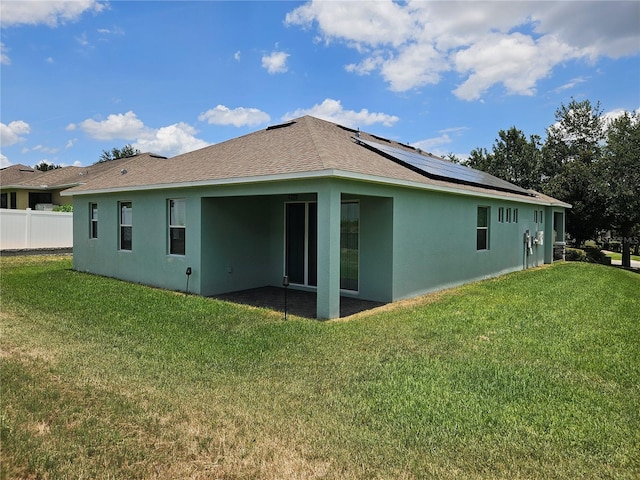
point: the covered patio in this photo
(299, 303)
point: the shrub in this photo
(63, 208)
(595, 255)
(575, 255)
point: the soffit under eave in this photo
(453, 189)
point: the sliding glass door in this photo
(301, 243)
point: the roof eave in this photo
(328, 173)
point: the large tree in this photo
(513, 158)
(619, 179)
(572, 149)
(115, 153)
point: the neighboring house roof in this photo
(22, 177)
(14, 174)
(306, 147)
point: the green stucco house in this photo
(338, 211)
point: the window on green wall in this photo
(93, 214)
(126, 225)
(482, 229)
(508, 215)
(177, 226)
(515, 215)
(501, 214)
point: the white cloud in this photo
(4, 161)
(117, 31)
(361, 23)
(416, 65)
(276, 62)
(517, 61)
(333, 111)
(171, 140)
(238, 117)
(430, 143)
(51, 13)
(11, 134)
(598, 28)
(117, 126)
(4, 57)
(610, 116)
(570, 84)
(435, 145)
(515, 44)
(82, 39)
(43, 149)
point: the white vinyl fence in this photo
(25, 229)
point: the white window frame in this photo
(122, 225)
(483, 228)
(177, 226)
(93, 220)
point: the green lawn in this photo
(618, 256)
(535, 375)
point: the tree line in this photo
(586, 160)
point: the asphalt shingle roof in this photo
(306, 146)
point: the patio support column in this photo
(328, 296)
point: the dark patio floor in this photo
(299, 303)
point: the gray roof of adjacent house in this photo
(306, 147)
(24, 177)
(14, 174)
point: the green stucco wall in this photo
(435, 241)
(148, 262)
(412, 241)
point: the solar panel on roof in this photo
(442, 169)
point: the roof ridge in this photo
(312, 134)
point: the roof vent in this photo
(381, 138)
(347, 129)
(281, 125)
(123, 171)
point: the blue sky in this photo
(170, 77)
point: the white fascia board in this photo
(330, 173)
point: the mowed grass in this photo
(534, 375)
(618, 256)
